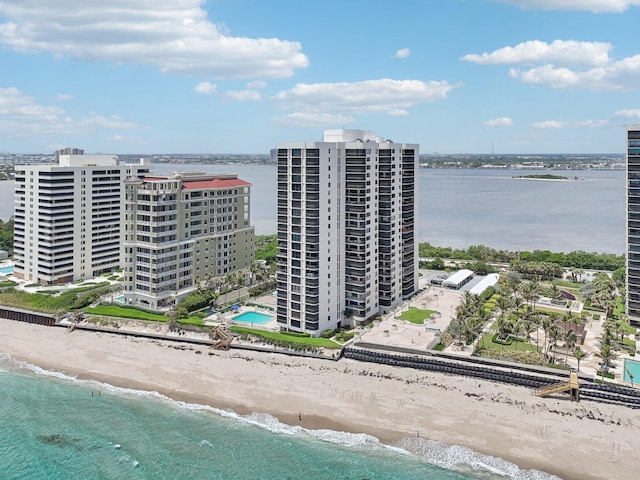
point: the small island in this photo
(546, 176)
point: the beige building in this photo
(182, 230)
(67, 216)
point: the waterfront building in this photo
(67, 216)
(181, 231)
(633, 225)
(347, 223)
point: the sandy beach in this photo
(574, 441)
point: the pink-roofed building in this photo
(182, 230)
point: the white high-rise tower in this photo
(347, 223)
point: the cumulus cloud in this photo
(499, 122)
(596, 6)
(623, 75)
(398, 112)
(308, 119)
(565, 52)
(206, 88)
(383, 95)
(21, 116)
(242, 96)
(565, 64)
(63, 97)
(174, 36)
(403, 53)
(549, 124)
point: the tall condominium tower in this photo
(347, 218)
(67, 216)
(181, 230)
(633, 224)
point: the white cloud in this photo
(564, 52)
(63, 97)
(308, 119)
(257, 84)
(174, 36)
(403, 53)
(206, 88)
(566, 64)
(384, 95)
(628, 113)
(623, 75)
(242, 96)
(21, 116)
(549, 124)
(499, 122)
(596, 6)
(397, 112)
(593, 123)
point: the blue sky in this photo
(239, 76)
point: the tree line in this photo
(576, 259)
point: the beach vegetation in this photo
(40, 302)
(283, 340)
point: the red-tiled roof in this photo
(215, 183)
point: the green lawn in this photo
(520, 346)
(122, 312)
(287, 339)
(135, 314)
(416, 315)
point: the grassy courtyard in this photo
(416, 315)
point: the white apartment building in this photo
(67, 216)
(347, 223)
(181, 230)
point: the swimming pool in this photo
(6, 270)
(119, 299)
(631, 369)
(252, 317)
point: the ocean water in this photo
(57, 427)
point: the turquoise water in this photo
(631, 367)
(56, 427)
(119, 299)
(6, 270)
(253, 317)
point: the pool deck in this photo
(394, 332)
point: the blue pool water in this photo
(6, 270)
(252, 317)
(119, 299)
(631, 369)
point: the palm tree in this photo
(579, 356)
(607, 354)
(547, 323)
(570, 339)
(554, 335)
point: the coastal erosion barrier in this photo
(27, 316)
(503, 372)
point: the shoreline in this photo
(586, 440)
